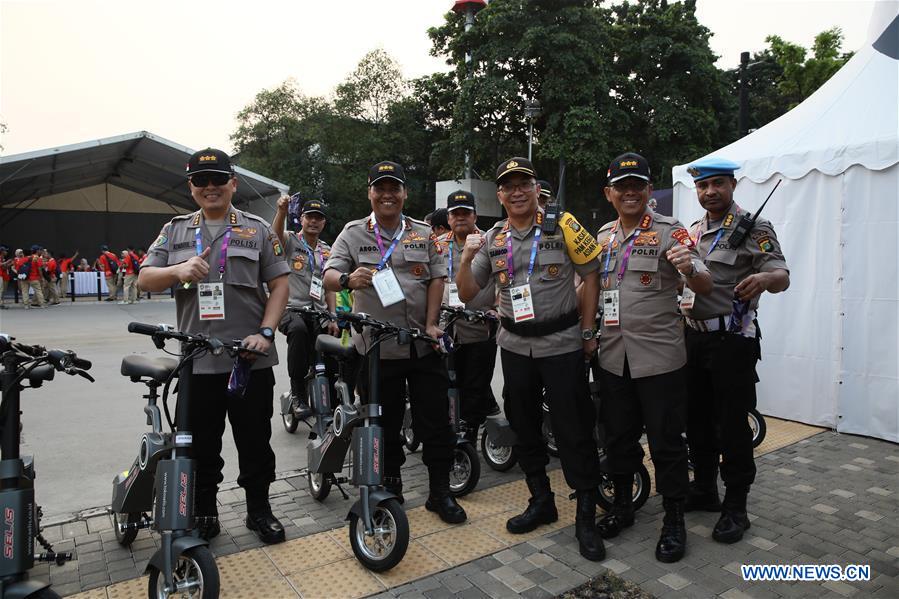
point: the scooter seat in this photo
(157, 369)
(331, 346)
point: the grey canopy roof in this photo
(140, 162)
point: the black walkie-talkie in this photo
(746, 222)
(551, 218)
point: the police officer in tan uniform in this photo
(218, 258)
(306, 255)
(723, 346)
(544, 341)
(475, 342)
(389, 245)
(644, 259)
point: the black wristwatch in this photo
(268, 333)
(344, 281)
(588, 334)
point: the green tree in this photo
(370, 90)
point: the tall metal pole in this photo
(469, 23)
(530, 139)
(744, 94)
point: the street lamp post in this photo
(531, 111)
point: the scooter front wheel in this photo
(319, 485)
(195, 575)
(642, 487)
(466, 470)
(386, 545)
(757, 426)
(499, 457)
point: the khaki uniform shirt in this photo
(466, 332)
(552, 282)
(254, 257)
(650, 334)
(301, 270)
(759, 252)
(416, 260)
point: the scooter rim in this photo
(160, 580)
(362, 538)
(492, 450)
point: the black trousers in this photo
(721, 380)
(301, 332)
(428, 384)
(251, 425)
(571, 411)
(657, 403)
(474, 372)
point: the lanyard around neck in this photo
(223, 253)
(624, 259)
(510, 266)
(311, 254)
(385, 256)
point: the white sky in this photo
(76, 70)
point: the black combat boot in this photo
(703, 494)
(206, 514)
(541, 506)
(589, 541)
(621, 515)
(734, 520)
(394, 484)
(673, 540)
(260, 518)
(440, 500)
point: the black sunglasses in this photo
(203, 179)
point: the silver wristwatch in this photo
(588, 334)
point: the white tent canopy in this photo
(831, 342)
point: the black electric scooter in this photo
(379, 528)
(162, 478)
(21, 515)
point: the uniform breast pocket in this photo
(551, 262)
(721, 264)
(242, 269)
(643, 273)
(181, 256)
(418, 263)
(369, 259)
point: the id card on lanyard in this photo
(316, 286)
(688, 298)
(522, 299)
(611, 298)
(211, 296)
(384, 280)
(454, 300)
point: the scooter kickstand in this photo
(340, 488)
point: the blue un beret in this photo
(712, 167)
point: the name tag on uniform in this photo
(522, 303)
(316, 288)
(610, 308)
(688, 298)
(454, 300)
(387, 287)
(212, 301)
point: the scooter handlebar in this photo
(143, 329)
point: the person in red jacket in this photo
(110, 265)
(131, 266)
(6, 264)
(65, 267)
(49, 278)
(29, 276)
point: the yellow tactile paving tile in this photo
(276, 587)
(461, 544)
(322, 565)
(346, 579)
(247, 570)
(418, 563)
(306, 552)
(93, 594)
(136, 588)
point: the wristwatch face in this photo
(587, 334)
(344, 280)
(267, 333)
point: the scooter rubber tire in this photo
(389, 513)
(642, 487)
(127, 537)
(758, 427)
(45, 593)
(466, 470)
(498, 457)
(195, 563)
(321, 490)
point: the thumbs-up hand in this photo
(194, 269)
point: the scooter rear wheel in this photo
(387, 545)
(466, 470)
(195, 572)
(499, 457)
(125, 538)
(758, 427)
(319, 485)
(642, 487)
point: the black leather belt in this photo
(540, 329)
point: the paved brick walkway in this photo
(828, 499)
